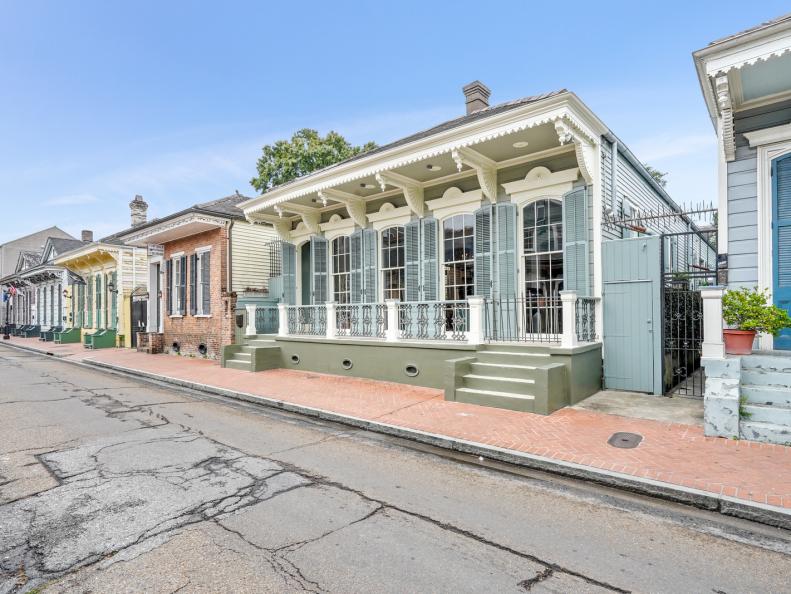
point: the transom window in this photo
(543, 258)
(458, 239)
(393, 263)
(341, 269)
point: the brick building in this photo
(200, 258)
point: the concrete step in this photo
(766, 432)
(259, 342)
(770, 395)
(511, 347)
(502, 369)
(761, 413)
(761, 377)
(243, 356)
(513, 358)
(507, 400)
(498, 384)
(772, 363)
(237, 364)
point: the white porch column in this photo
(250, 330)
(568, 301)
(282, 319)
(713, 346)
(331, 325)
(475, 332)
(391, 334)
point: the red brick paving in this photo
(671, 453)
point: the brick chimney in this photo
(138, 209)
(476, 96)
(87, 235)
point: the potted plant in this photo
(748, 312)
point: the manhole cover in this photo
(625, 440)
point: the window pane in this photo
(542, 244)
(542, 216)
(530, 240)
(556, 237)
(531, 268)
(557, 265)
(555, 211)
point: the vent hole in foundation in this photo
(347, 364)
(202, 350)
(175, 347)
(411, 370)
(295, 359)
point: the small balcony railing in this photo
(361, 320)
(433, 320)
(523, 319)
(306, 320)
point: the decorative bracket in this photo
(583, 147)
(355, 205)
(485, 169)
(412, 189)
(726, 116)
(310, 216)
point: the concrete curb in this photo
(729, 506)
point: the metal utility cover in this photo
(625, 440)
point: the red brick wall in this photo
(190, 331)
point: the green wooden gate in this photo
(632, 314)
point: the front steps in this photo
(514, 377)
(258, 352)
(765, 393)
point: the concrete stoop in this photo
(765, 392)
(259, 352)
(514, 377)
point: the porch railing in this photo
(565, 320)
(361, 320)
(306, 320)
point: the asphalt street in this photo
(112, 484)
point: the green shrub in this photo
(748, 309)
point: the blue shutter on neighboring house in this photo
(505, 272)
(483, 251)
(356, 267)
(369, 265)
(428, 259)
(183, 291)
(289, 264)
(318, 258)
(412, 260)
(98, 299)
(781, 240)
(114, 301)
(575, 241)
(193, 284)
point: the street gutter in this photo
(726, 505)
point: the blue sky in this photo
(100, 101)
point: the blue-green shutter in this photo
(781, 243)
(89, 301)
(318, 258)
(356, 267)
(369, 265)
(429, 259)
(505, 272)
(483, 251)
(204, 291)
(289, 265)
(98, 300)
(412, 260)
(183, 291)
(193, 284)
(114, 301)
(575, 241)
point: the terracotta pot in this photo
(738, 342)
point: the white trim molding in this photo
(725, 104)
(539, 182)
(337, 227)
(454, 201)
(768, 135)
(390, 216)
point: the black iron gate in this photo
(689, 262)
(139, 317)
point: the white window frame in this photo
(442, 289)
(380, 260)
(200, 306)
(175, 288)
(333, 274)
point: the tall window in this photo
(203, 281)
(341, 270)
(543, 254)
(176, 286)
(393, 263)
(458, 234)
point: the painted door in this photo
(781, 242)
(628, 336)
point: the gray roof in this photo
(62, 245)
(443, 127)
(764, 25)
(223, 207)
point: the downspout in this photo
(614, 177)
(228, 277)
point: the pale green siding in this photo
(249, 255)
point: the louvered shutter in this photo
(318, 258)
(80, 318)
(505, 257)
(183, 281)
(193, 284)
(781, 227)
(289, 264)
(114, 301)
(356, 266)
(428, 259)
(369, 266)
(89, 302)
(98, 299)
(412, 260)
(205, 286)
(483, 251)
(169, 287)
(575, 241)
(60, 305)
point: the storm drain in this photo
(625, 440)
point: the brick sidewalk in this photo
(671, 453)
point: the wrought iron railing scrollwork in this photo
(433, 320)
(266, 319)
(308, 320)
(361, 320)
(585, 319)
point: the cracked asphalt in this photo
(111, 484)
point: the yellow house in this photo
(105, 275)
